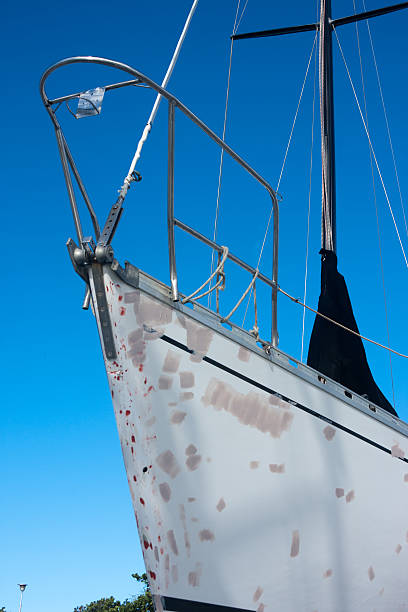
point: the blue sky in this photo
(67, 526)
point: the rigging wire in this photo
(297, 301)
(283, 167)
(375, 201)
(237, 21)
(386, 121)
(309, 205)
(129, 177)
(296, 114)
(242, 14)
(372, 148)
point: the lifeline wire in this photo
(297, 301)
(372, 149)
(375, 202)
(234, 31)
(148, 127)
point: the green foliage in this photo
(142, 603)
(3, 609)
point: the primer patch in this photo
(328, 573)
(168, 463)
(198, 338)
(165, 491)
(276, 468)
(171, 361)
(131, 297)
(339, 492)
(165, 382)
(329, 432)
(221, 505)
(186, 380)
(190, 450)
(136, 347)
(257, 594)
(371, 573)
(158, 606)
(177, 417)
(187, 542)
(243, 354)
(193, 462)
(294, 550)
(350, 496)
(278, 401)
(254, 465)
(149, 311)
(194, 577)
(252, 409)
(206, 535)
(171, 538)
(396, 451)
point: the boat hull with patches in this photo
(256, 483)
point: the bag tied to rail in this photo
(335, 352)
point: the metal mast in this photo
(327, 129)
(325, 27)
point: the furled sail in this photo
(333, 351)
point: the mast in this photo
(325, 27)
(327, 129)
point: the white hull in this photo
(244, 499)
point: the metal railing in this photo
(104, 238)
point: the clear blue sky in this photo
(67, 526)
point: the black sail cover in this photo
(333, 351)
